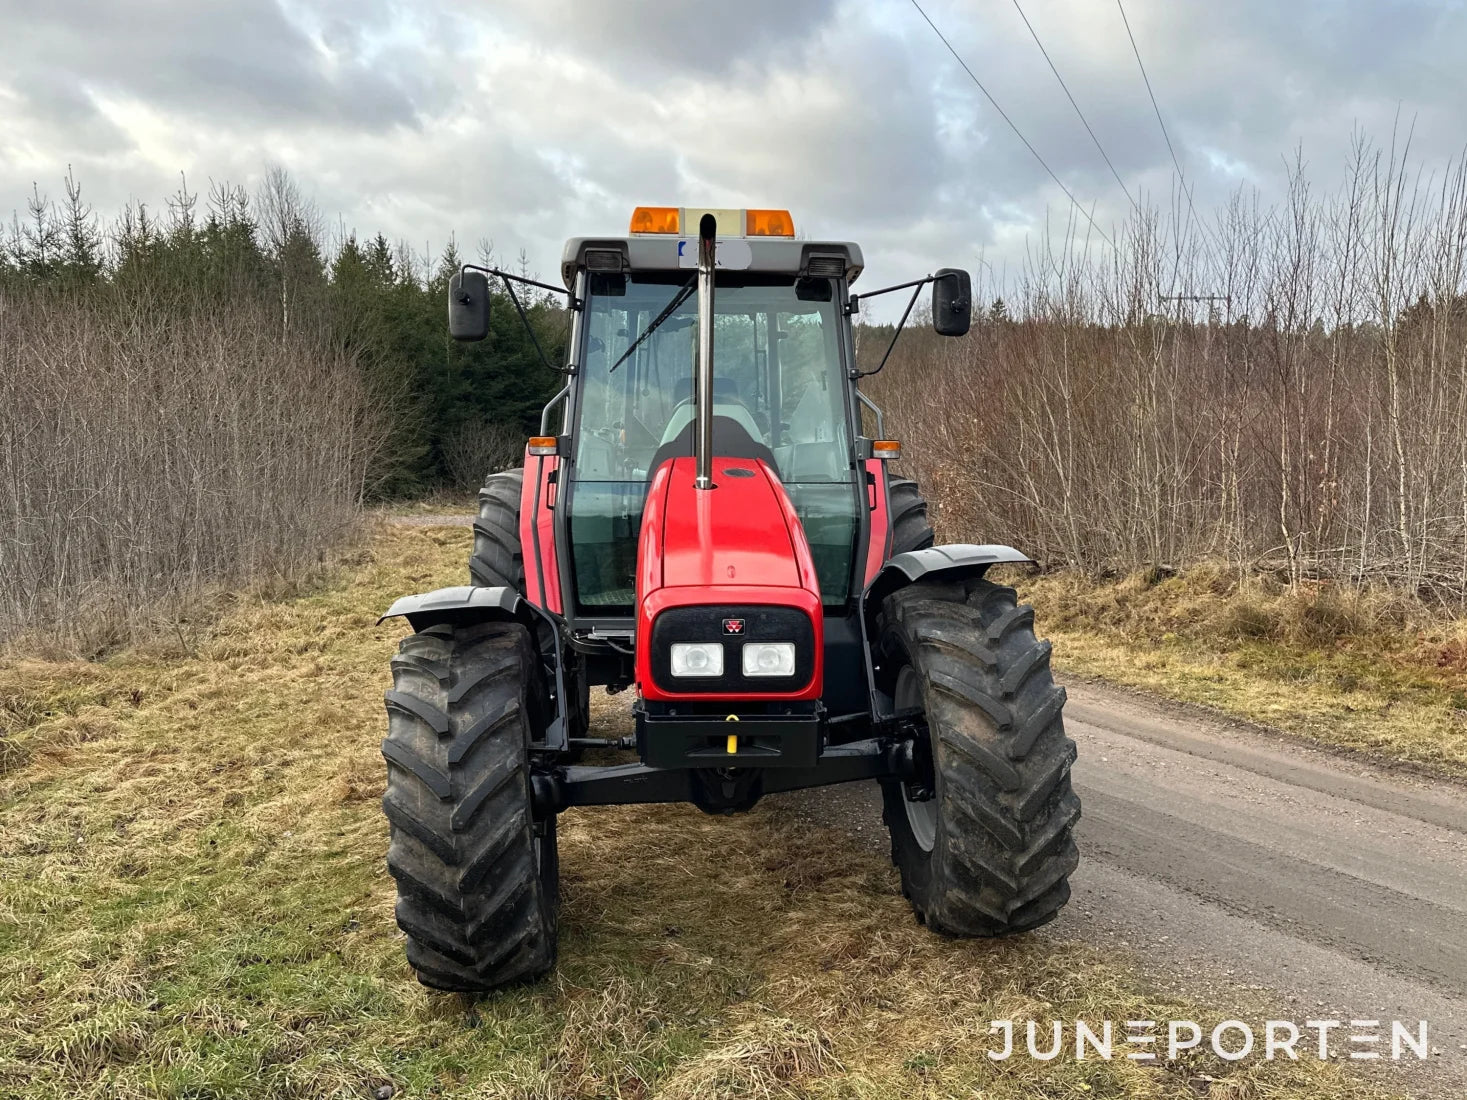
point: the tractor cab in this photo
(780, 391)
(780, 410)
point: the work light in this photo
(698, 659)
(769, 659)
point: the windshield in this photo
(777, 373)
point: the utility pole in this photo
(1211, 299)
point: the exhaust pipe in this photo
(703, 432)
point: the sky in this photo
(525, 122)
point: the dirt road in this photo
(1224, 857)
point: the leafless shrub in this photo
(476, 449)
(149, 452)
(1310, 421)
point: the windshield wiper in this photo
(678, 299)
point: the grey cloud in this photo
(55, 103)
(651, 39)
(1248, 81)
(531, 120)
(230, 62)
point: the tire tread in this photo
(478, 911)
(1005, 847)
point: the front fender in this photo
(933, 563)
(467, 603)
(459, 603)
(965, 559)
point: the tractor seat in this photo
(684, 415)
(724, 390)
(731, 439)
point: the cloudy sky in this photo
(527, 121)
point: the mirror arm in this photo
(857, 299)
(574, 302)
(525, 320)
(509, 281)
(897, 335)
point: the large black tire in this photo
(477, 875)
(497, 560)
(990, 852)
(910, 527)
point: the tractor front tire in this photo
(910, 527)
(498, 560)
(983, 835)
(477, 875)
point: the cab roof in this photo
(667, 252)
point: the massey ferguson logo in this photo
(733, 626)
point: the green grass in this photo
(193, 903)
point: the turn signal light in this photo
(656, 219)
(886, 448)
(543, 444)
(768, 223)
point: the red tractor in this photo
(711, 527)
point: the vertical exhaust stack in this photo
(703, 437)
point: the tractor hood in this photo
(744, 533)
(722, 565)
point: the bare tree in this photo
(1313, 424)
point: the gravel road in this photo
(1225, 858)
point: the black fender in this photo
(467, 603)
(959, 560)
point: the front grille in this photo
(705, 624)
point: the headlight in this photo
(766, 659)
(699, 659)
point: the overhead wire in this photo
(1156, 107)
(1079, 113)
(1014, 127)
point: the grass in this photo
(193, 904)
(1369, 672)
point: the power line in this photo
(1035, 35)
(1012, 126)
(1177, 164)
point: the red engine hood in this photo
(744, 533)
(738, 544)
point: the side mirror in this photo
(952, 302)
(468, 306)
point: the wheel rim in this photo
(921, 816)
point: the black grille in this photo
(706, 624)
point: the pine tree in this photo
(83, 248)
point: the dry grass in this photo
(440, 502)
(1374, 672)
(193, 904)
